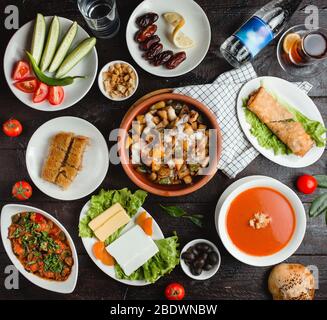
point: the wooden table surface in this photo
(234, 279)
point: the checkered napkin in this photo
(220, 97)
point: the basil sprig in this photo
(177, 212)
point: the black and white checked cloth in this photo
(220, 97)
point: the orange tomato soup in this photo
(264, 241)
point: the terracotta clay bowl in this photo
(142, 180)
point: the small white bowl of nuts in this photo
(118, 80)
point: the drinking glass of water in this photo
(101, 16)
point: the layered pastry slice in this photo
(280, 121)
(64, 159)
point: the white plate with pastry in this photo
(67, 158)
(275, 106)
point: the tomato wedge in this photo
(21, 71)
(28, 85)
(56, 95)
(41, 93)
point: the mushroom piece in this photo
(291, 282)
(171, 113)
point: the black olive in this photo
(202, 247)
(195, 251)
(188, 256)
(207, 267)
(213, 258)
(199, 263)
(197, 271)
(203, 256)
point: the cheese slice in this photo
(132, 249)
(104, 216)
(111, 225)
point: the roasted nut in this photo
(176, 60)
(147, 19)
(149, 42)
(153, 51)
(146, 33)
(162, 58)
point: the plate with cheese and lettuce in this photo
(281, 122)
(124, 240)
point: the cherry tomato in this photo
(56, 95)
(22, 190)
(21, 71)
(41, 93)
(307, 184)
(175, 291)
(28, 85)
(12, 128)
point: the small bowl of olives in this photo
(200, 259)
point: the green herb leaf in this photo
(196, 219)
(322, 180)
(318, 206)
(173, 211)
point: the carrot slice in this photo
(140, 219)
(147, 226)
(98, 250)
(107, 259)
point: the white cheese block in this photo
(111, 225)
(132, 249)
(104, 216)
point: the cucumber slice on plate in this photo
(38, 37)
(51, 44)
(76, 56)
(64, 47)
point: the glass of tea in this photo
(101, 16)
(302, 52)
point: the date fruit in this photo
(146, 33)
(147, 19)
(153, 51)
(149, 42)
(162, 58)
(176, 60)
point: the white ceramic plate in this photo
(95, 160)
(205, 275)
(67, 286)
(109, 270)
(21, 41)
(291, 94)
(293, 244)
(197, 27)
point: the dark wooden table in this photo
(234, 279)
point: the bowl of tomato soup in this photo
(262, 222)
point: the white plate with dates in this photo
(197, 27)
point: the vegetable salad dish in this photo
(41, 247)
(180, 143)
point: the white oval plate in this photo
(296, 239)
(88, 67)
(67, 286)
(196, 26)
(296, 98)
(95, 160)
(109, 270)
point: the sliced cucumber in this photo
(76, 56)
(38, 37)
(51, 44)
(64, 47)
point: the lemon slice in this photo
(289, 41)
(173, 18)
(182, 41)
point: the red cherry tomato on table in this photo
(307, 184)
(12, 128)
(21, 71)
(22, 190)
(175, 291)
(41, 93)
(56, 95)
(28, 85)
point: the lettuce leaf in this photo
(160, 264)
(131, 202)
